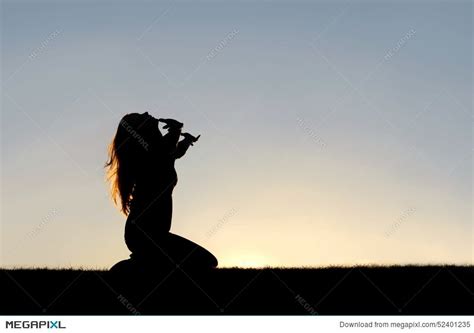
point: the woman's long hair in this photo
(126, 153)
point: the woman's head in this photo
(132, 141)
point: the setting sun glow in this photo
(247, 261)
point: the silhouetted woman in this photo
(142, 175)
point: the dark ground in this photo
(420, 290)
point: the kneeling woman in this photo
(142, 176)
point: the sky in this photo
(332, 133)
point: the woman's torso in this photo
(151, 207)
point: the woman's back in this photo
(151, 205)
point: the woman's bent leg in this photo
(189, 254)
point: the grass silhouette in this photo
(358, 290)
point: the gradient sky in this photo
(332, 133)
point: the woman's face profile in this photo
(147, 118)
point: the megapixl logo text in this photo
(35, 324)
